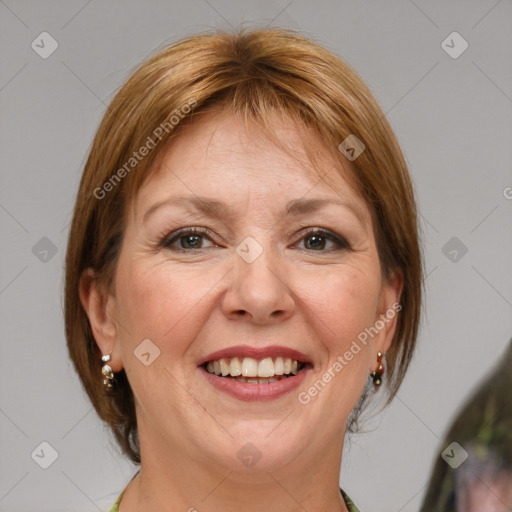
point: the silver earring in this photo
(107, 372)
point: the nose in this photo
(259, 290)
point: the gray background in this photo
(452, 117)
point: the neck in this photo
(172, 481)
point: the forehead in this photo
(218, 155)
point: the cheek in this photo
(159, 302)
(143, 305)
(145, 298)
(345, 302)
(341, 309)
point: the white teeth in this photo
(224, 367)
(279, 366)
(235, 367)
(247, 368)
(266, 367)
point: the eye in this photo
(316, 239)
(190, 239)
(187, 238)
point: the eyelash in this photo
(176, 235)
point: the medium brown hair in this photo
(253, 73)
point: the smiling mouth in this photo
(255, 371)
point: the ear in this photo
(388, 310)
(97, 303)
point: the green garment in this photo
(351, 507)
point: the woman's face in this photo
(235, 250)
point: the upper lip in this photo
(255, 353)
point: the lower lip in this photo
(255, 392)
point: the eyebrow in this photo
(217, 209)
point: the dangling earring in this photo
(106, 370)
(379, 372)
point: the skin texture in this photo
(313, 298)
